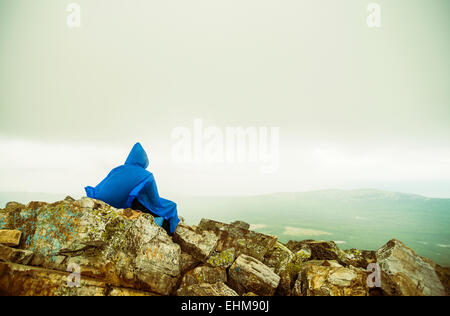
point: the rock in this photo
(319, 280)
(286, 283)
(187, 262)
(199, 245)
(242, 240)
(21, 280)
(122, 252)
(290, 271)
(204, 274)
(13, 255)
(206, 289)
(318, 250)
(248, 274)
(123, 248)
(360, 258)
(278, 257)
(324, 250)
(120, 291)
(304, 253)
(13, 206)
(324, 263)
(403, 272)
(241, 224)
(10, 237)
(222, 259)
(69, 199)
(444, 275)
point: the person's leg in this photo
(136, 205)
(166, 226)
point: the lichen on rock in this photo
(124, 252)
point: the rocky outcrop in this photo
(405, 273)
(86, 247)
(333, 280)
(22, 280)
(199, 244)
(204, 274)
(278, 257)
(328, 250)
(123, 248)
(248, 274)
(243, 241)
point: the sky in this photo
(354, 106)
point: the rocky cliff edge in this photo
(86, 247)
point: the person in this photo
(132, 186)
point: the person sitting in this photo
(132, 186)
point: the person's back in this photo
(132, 185)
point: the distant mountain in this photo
(354, 195)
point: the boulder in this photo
(404, 273)
(320, 280)
(10, 237)
(21, 280)
(278, 257)
(360, 258)
(207, 289)
(187, 262)
(326, 250)
(204, 274)
(123, 248)
(289, 272)
(248, 274)
(69, 199)
(444, 275)
(13, 255)
(241, 224)
(242, 240)
(222, 259)
(198, 244)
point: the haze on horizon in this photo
(356, 107)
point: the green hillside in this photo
(360, 218)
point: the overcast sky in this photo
(355, 106)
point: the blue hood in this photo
(137, 156)
(131, 181)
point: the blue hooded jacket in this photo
(132, 181)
